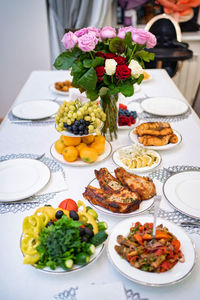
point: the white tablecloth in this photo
(22, 282)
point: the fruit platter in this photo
(62, 239)
(127, 118)
(81, 151)
(75, 118)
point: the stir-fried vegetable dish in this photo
(146, 254)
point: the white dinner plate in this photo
(22, 178)
(79, 162)
(134, 138)
(182, 191)
(75, 268)
(144, 205)
(164, 106)
(176, 274)
(118, 162)
(55, 91)
(35, 110)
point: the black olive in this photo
(82, 231)
(84, 238)
(59, 214)
(89, 232)
(47, 205)
(73, 214)
(49, 223)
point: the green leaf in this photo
(128, 52)
(117, 45)
(92, 95)
(103, 91)
(106, 80)
(66, 59)
(98, 61)
(87, 63)
(126, 88)
(113, 91)
(77, 71)
(88, 80)
(144, 55)
(140, 78)
(128, 39)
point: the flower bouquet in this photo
(104, 63)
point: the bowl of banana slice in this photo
(137, 159)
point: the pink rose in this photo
(87, 42)
(81, 32)
(69, 40)
(151, 42)
(94, 30)
(123, 30)
(107, 33)
(140, 36)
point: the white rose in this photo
(136, 69)
(110, 66)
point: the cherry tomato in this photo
(68, 204)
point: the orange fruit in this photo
(88, 155)
(80, 146)
(59, 146)
(71, 141)
(98, 146)
(70, 153)
(88, 139)
(99, 138)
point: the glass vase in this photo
(109, 106)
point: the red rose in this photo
(100, 72)
(122, 72)
(109, 55)
(120, 60)
(99, 54)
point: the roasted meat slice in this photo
(151, 140)
(154, 128)
(144, 186)
(121, 201)
(107, 182)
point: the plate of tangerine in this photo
(81, 151)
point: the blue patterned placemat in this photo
(18, 121)
(70, 294)
(35, 200)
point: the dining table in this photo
(31, 139)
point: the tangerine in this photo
(98, 146)
(88, 139)
(80, 146)
(88, 155)
(70, 153)
(99, 138)
(71, 140)
(59, 146)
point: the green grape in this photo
(92, 114)
(69, 122)
(97, 131)
(74, 115)
(98, 122)
(79, 114)
(87, 118)
(93, 119)
(65, 119)
(89, 109)
(70, 114)
(91, 127)
(72, 119)
(72, 108)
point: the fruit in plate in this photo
(98, 146)
(88, 154)
(100, 138)
(88, 139)
(71, 141)
(66, 239)
(80, 118)
(80, 146)
(70, 154)
(59, 146)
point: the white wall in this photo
(24, 46)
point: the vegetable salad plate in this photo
(134, 138)
(80, 163)
(144, 205)
(182, 191)
(144, 162)
(22, 178)
(177, 273)
(164, 106)
(35, 110)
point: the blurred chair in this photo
(196, 103)
(169, 50)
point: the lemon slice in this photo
(127, 162)
(133, 164)
(139, 162)
(145, 160)
(150, 162)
